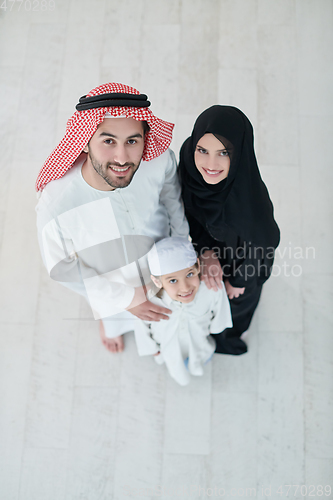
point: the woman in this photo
(230, 214)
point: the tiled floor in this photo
(77, 423)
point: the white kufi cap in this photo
(171, 255)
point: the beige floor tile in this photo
(273, 12)
(95, 365)
(233, 456)
(14, 35)
(187, 416)
(48, 464)
(91, 454)
(238, 374)
(238, 87)
(318, 477)
(317, 205)
(318, 362)
(237, 45)
(198, 84)
(140, 428)
(184, 476)
(162, 63)
(315, 73)
(15, 364)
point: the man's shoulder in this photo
(166, 159)
(64, 193)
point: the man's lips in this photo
(120, 171)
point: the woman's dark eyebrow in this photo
(223, 149)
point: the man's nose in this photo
(120, 155)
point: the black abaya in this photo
(234, 217)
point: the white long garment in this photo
(95, 242)
(186, 333)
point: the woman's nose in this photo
(212, 163)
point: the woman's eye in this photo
(224, 153)
(202, 151)
(190, 275)
(173, 281)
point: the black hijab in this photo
(241, 201)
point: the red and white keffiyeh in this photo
(83, 124)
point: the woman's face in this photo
(212, 159)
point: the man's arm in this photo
(63, 263)
(170, 196)
(107, 293)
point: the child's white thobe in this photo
(186, 334)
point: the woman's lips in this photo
(212, 172)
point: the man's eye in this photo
(132, 141)
(108, 141)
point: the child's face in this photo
(181, 285)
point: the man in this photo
(109, 190)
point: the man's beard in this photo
(117, 182)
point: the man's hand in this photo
(232, 291)
(149, 311)
(143, 309)
(211, 270)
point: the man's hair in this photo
(146, 127)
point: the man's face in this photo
(115, 151)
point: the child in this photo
(183, 341)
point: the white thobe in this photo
(95, 242)
(185, 336)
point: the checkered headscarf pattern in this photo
(83, 124)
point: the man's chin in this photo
(119, 182)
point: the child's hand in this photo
(232, 291)
(211, 270)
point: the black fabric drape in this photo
(235, 216)
(241, 202)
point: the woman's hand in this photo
(211, 270)
(232, 291)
